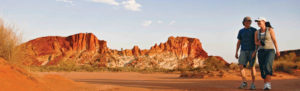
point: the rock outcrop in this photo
(85, 48)
(51, 49)
(181, 46)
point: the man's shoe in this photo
(252, 87)
(243, 85)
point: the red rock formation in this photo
(52, 44)
(136, 51)
(86, 48)
(83, 41)
(47, 45)
(56, 48)
(103, 46)
(180, 46)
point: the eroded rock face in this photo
(83, 41)
(52, 49)
(181, 47)
(85, 48)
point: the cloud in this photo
(172, 22)
(147, 23)
(160, 22)
(132, 5)
(110, 2)
(67, 1)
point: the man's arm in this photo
(238, 44)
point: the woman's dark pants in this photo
(265, 59)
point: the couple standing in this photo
(252, 41)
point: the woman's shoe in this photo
(267, 86)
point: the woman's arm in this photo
(274, 41)
(257, 42)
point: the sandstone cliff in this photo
(85, 48)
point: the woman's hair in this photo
(268, 24)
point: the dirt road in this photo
(132, 81)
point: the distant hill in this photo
(296, 51)
(287, 52)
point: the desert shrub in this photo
(287, 63)
(234, 66)
(284, 66)
(185, 64)
(297, 60)
(66, 65)
(213, 67)
(9, 40)
(70, 66)
(214, 64)
(289, 57)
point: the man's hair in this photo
(246, 18)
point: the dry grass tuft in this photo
(9, 40)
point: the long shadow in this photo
(219, 85)
(160, 84)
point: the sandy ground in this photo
(133, 81)
(15, 78)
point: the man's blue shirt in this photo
(246, 36)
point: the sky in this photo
(125, 23)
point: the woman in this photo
(265, 39)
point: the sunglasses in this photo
(248, 21)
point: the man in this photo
(247, 43)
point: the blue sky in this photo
(125, 23)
